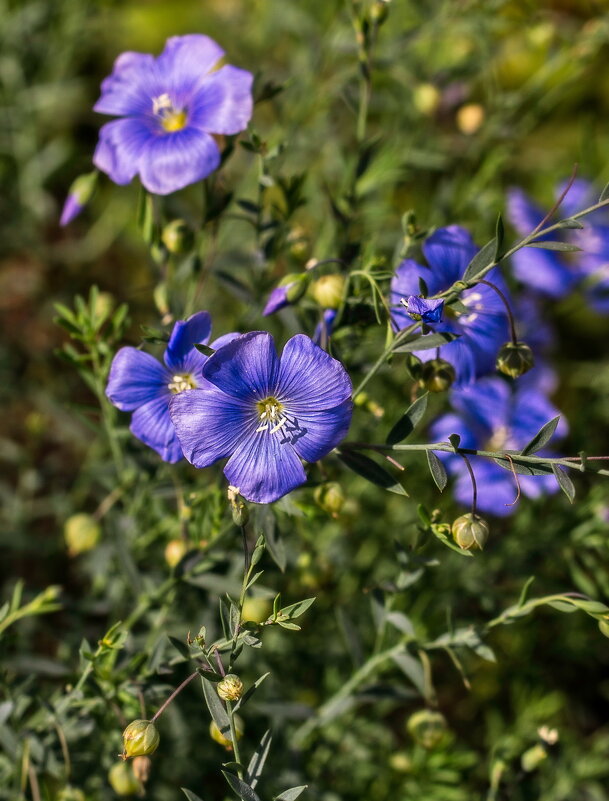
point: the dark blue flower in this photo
(552, 273)
(483, 329)
(265, 414)
(323, 329)
(428, 311)
(494, 415)
(170, 107)
(140, 384)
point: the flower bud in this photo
(515, 359)
(427, 727)
(470, 532)
(178, 237)
(217, 736)
(330, 497)
(296, 287)
(122, 780)
(81, 533)
(79, 194)
(379, 11)
(69, 793)
(141, 767)
(230, 688)
(426, 98)
(140, 738)
(161, 298)
(238, 508)
(533, 757)
(328, 291)
(174, 551)
(437, 375)
(470, 117)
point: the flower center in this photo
(172, 119)
(270, 415)
(181, 382)
(499, 439)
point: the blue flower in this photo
(265, 413)
(324, 328)
(170, 107)
(140, 384)
(483, 329)
(278, 299)
(494, 415)
(428, 311)
(552, 273)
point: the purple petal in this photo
(278, 299)
(448, 252)
(315, 433)
(246, 368)
(210, 425)
(309, 378)
(225, 339)
(532, 410)
(223, 104)
(130, 88)
(429, 311)
(543, 271)
(406, 283)
(71, 210)
(580, 196)
(136, 378)
(120, 148)
(152, 425)
(487, 404)
(185, 334)
(186, 61)
(497, 489)
(263, 469)
(524, 215)
(323, 329)
(172, 161)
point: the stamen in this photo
(172, 119)
(182, 382)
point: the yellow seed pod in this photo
(81, 533)
(328, 291)
(427, 727)
(470, 532)
(217, 736)
(122, 780)
(330, 497)
(140, 738)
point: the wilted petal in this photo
(309, 378)
(135, 378)
(152, 425)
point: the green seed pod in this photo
(470, 532)
(140, 738)
(178, 237)
(515, 359)
(427, 727)
(81, 533)
(330, 497)
(122, 780)
(217, 736)
(230, 688)
(437, 375)
(328, 291)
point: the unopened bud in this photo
(174, 551)
(533, 757)
(161, 298)
(230, 688)
(330, 497)
(515, 359)
(437, 375)
(470, 532)
(122, 780)
(328, 291)
(140, 738)
(79, 194)
(81, 533)
(141, 767)
(217, 736)
(427, 727)
(296, 287)
(470, 117)
(238, 508)
(178, 237)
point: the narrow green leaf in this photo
(216, 708)
(604, 194)
(371, 471)
(523, 468)
(291, 794)
(409, 420)
(545, 244)
(483, 259)
(241, 789)
(190, 795)
(412, 668)
(204, 349)
(543, 436)
(250, 691)
(256, 763)
(436, 468)
(426, 342)
(525, 591)
(499, 236)
(569, 223)
(295, 610)
(564, 481)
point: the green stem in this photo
(403, 334)
(233, 736)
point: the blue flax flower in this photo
(170, 106)
(324, 328)
(428, 311)
(554, 274)
(265, 413)
(482, 329)
(140, 384)
(494, 415)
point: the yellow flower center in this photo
(181, 382)
(270, 414)
(499, 439)
(172, 119)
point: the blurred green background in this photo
(468, 98)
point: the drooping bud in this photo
(515, 359)
(230, 688)
(178, 237)
(437, 375)
(217, 736)
(423, 309)
(238, 507)
(81, 533)
(122, 780)
(289, 290)
(140, 738)
(470, 532)
(328, 291)
(174, 551)
(141, 767)
(79, 194)
(330, 497)
(427, 727)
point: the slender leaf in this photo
(370, 470)
(256, 763)
(412, 668)
(216, 708)
(437, 470)
(604, 194)
(523, 468)
(564, 481)
(426, 342)
(409, 420)
(499, 236)
(291, 794)
(190, 795)
(546, 244)
(543, 436)
(295, 610)
(483, 259)
(243, 790)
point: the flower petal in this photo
(309, 378)
(185, 334)
(263, 469)
(543, 271)
(487, 405)
(130, 88)
(406, 283)
(209, 424)
(314, 434)
(524, 215)
(172, 161)
(186, 61)
(580, 196)
(120, 148)
(278, 299)
(448, 252)
(497, 489)
(136, 378)
(223, 103)
(152, 425)
(246, 368)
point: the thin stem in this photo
(233, 736)
(556, 206)
(507, 309)
(474, 485)
(176, 692)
